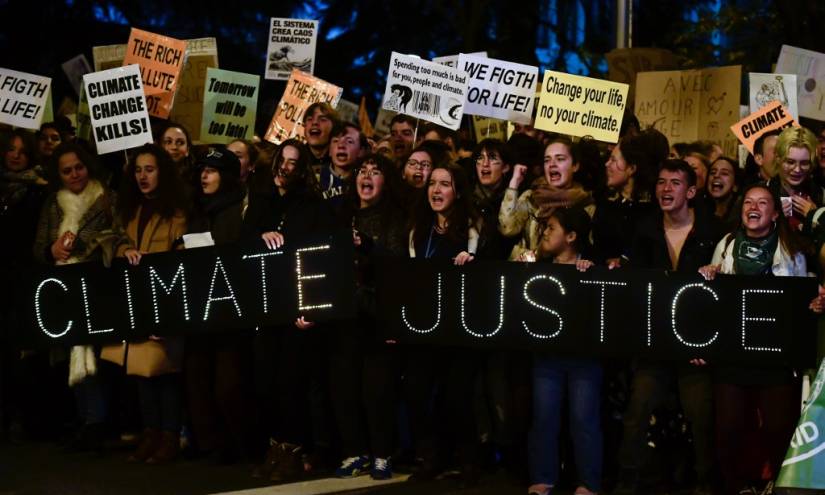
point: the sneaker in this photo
(381, 469)
(353, 466)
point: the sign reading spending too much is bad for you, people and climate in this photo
(117, 107)
(160, 59)
(425, 90)
(581, 106)
(23, 98)
(291, 46)
(229, 106)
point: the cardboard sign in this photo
(347, 111)
(23, 98)
(691, 105)
(772, 116)
(452, 60)
(546, 307)
(302, 90)
(425, 90)
(382, 121)
(767, 88)
(809, 68)
(83, 119)
(160, 59)
(499, 89)
(486, 127)
(624, 63)
(117, 108)
(201, 53)
(75, 69)
(230, 104)
(108, 56)
(581, 106)
(291, 47)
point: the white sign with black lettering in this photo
(117, 107)
(452, 60)
(23, 98)
(291, 46)
(499, 89)
(425, 90)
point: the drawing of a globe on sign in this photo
(279, 61)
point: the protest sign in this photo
(767, 88)
(581, 106)
(425, 90)
(193, 291)
(302, 90)
(23, 98)
(84, 119)
(160, 59)
(364, 119)
(48, 108)
(545, 307)
(230, 102)
(624, 63)
(117, 108)
(452, 60)
(772, 116)
(691, 105)
(499, 89)
(488, 128)
(347, 111)
(809, 68)
(75, 69)
(108, 56)
(382, 121)
(291, 47)
(201, 53)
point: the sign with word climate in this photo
(117, 107)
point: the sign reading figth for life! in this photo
(581, 106)
(160, 59)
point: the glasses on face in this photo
(804, 166)
(493, 159)
(369, 172)
(420, 165)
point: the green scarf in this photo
(754, 256)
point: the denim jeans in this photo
(583, 380)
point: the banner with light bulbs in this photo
(626, 313)
(491, 304)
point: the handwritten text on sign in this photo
(160, 59)
(499, 89)
(302, 90)
(772, 116)
(117, 108)
(581, 106)
(229, 106)
(23, 98)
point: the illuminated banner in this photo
(626, 313)
(188, 292)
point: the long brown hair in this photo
(171, 195)
(460, 217)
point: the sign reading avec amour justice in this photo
(620, 313)
(188, 292)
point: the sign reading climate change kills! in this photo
(499, 89)
(229, 106)
(291, 46)
(23, 98)
(581, 106)
(117, 108)
(425, 90)
(160, 59)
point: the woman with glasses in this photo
(364, 371)
(795, 159)
(289, 359)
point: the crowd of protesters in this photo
(305, 398)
